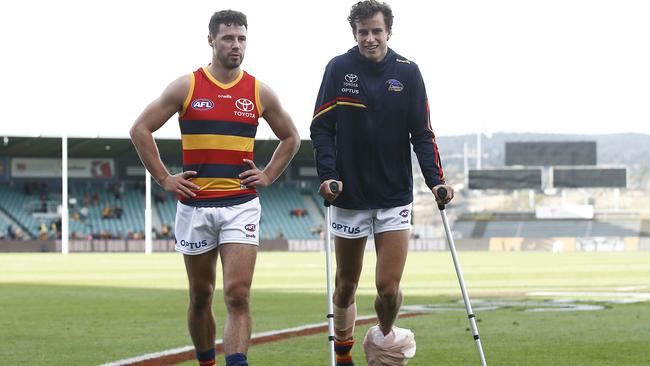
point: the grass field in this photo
(88, 309)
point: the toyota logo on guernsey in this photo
(202, 104)
(351, 78)
(244, 105)
(404, 213)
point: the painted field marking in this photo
(638, 296)
(182, 354)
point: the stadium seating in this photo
(544, 228)
(131, 202)
(278, 201)
(502, 229)
(614, 228)
(14, 202)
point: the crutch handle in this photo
(442, 194)
(334, 187)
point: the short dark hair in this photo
(367, 9)
(226, 17)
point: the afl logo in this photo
(404, 213)
(202, 104)
(244, 105)
(250, 227)
(351, 78)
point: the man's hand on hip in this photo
(254, 178)
(180, 184)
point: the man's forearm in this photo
(282, 156)
(147, 150)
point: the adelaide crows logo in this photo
(394, 85)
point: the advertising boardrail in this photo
(513, 244)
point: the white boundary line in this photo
(633, 288)
(634, 295)
(175, 351)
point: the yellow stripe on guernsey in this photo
(221, 142)
(351, 104)
(220, 84)
(258, 103)
(217, 184)
(358, 105)
(188, 98)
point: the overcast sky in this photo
(564, 66)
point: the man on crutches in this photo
(371, 107)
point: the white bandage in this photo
(344, 319)
(394, 349)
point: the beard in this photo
(230, 63)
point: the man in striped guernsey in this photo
(218, 211)
(371, 106)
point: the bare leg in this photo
(201, 272)
(392, 247)
(238, 262)
(349, 262)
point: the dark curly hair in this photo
(367, 9)
(226, 17)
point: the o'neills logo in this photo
(250, 227)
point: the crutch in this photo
(442, 193)
(334, 187)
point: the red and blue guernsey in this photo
(218, 126)
(366, 118)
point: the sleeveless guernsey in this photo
(218, 124)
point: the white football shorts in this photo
(201, 229)
(352, 224)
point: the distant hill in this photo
(631, 150)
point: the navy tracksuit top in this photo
(366, 118)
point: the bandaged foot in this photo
(394, 349)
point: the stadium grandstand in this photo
(107, 189)
(106, 195)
